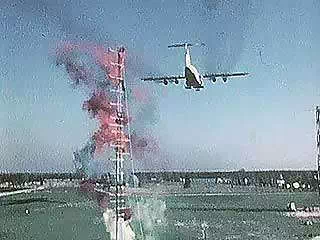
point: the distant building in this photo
(281, 182)
(219, 180)
(295, 185)
(245, 181)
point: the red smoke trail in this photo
(143, 145)
(104, 58)
(98, 106)
(88, 187)
(107, 61)
(98, 103)
(141, 95)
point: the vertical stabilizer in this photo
(187, 56)
(187, 50)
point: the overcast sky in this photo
(265, 121)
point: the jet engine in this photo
(176, 81)
(165, 82)
(224, 79)
(213, 79)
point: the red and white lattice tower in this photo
(121, 143)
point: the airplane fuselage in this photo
(193, 78)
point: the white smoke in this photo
(149, 213)
(109, 218)
(83, 159)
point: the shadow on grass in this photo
(28, 201)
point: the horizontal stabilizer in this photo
(163, 78)
(185, 44)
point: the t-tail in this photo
(187, 51)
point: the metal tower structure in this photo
(318, 144)
(121, 143)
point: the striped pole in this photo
(318, 144)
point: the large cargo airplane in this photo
(191, 74)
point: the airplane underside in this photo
(192, 77)
(191, 80)
(196, 88)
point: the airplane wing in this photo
(165, 79)
(224, 75)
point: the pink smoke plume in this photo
(140, 94)
(106, 59)
(88, 187)
(82, 73)
(144, 144)
(99, 105)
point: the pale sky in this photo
(265, 121)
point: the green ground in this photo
(66, 214)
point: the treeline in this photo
(267, 174)
(235, 177)
(258, 178)
(17, 179)
(20, 178)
